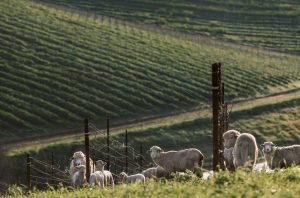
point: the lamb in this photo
(230, 138)
(229, 142)
(132, 178)
(108, 178)
(279, 157)
(245, 151)
(155, 172)
(228, 157)
(79, 178)
(79, 159)
(180, 161)
(97, 178)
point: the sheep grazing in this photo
(79, 178)
(228, 158)
(280, 157)
(108, 178)
(245, 151)
(155, 172)
(79, 159)
(132, 178)
(230, 138)
(229, 142)
(180, 161)
(97, 178)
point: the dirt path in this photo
(161, 121)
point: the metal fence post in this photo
(52, 167)
(87, 148)
(107, 143)
(28, 165)
(126, 151)
(141, 158)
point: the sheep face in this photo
(81, 169)
(78, 158)
(268, 147)
(230, 138)
(123, 175)
(155, 151)
(100, 164)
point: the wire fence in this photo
(43, 174)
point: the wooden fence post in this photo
(87, 148)
(215, 104)
(107, 143)
(28, 164)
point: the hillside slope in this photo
(269, 24)
(57, 68)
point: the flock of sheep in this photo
(240, 151)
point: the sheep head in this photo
(123, 175)
(100, 164)
(155, 151)
(78, 158)
(81, 169)
(268, 147)
(230, 138)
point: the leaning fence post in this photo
(126, 151)
(107, 142)
(87, 148)
(215, 111)
(28, 164)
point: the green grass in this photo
(268, 24)
(57, 68)
(239, 184)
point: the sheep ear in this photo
(262, 145)
(273, 144)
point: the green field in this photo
(57, 68)
(268, 24)
(224, 184)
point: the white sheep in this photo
(132, 178)
(230, 138)
(97, 178)
(108, 178)
(229, 142)
(279, 157)
(155, 172)
(228, 158)
(79, 159)
(172, 161)
(79, 178)
(245, 151)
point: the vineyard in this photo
(268, 24)
(113, 78)
(58, 67)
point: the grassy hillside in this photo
(57, 68)
(277, 122)
(268, 24)
(224, 184)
